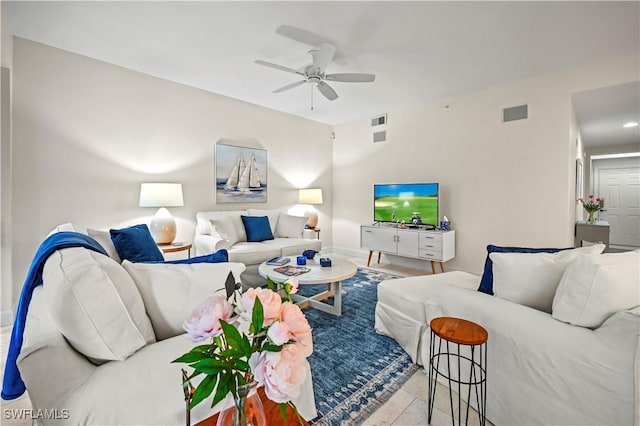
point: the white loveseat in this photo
(541, 370)
(217, 230)
(100, 337)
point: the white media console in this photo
(434, 246)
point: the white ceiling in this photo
(419, 51)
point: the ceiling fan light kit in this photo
(314, 73)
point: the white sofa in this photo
(216, 230)
(100, 337)
(541, 370)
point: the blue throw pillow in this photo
(486, 283)
(220, 256)
(136, 244)
(257, 228)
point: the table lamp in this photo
(309, 197)
(163, 225)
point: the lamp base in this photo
(163, 227)
(312, 222)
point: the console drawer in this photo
(429, 254)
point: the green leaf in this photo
(257, 316)
(203, 390)
(210, 366)
(271, 347)
(232, 335)
(241, 365)
(203, 348)
(191, 356)
(283, 410)
(223, 388)
(272, 285)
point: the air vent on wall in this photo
(379, 127)
(515, 113)
(379, 136)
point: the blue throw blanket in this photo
(12, 385)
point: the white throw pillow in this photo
(595, 287)
(226, 229)
(95, 304)
(104, 239)
(171, 291)
(290, 226)
(531, 279)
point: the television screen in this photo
(415, 203)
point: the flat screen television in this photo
(415, 203)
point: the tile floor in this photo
(407, 407)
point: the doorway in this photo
(618, 180)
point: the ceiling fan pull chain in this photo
(311, 87)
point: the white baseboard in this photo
(6, 318)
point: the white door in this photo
(618, 180)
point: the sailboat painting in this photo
(241, 174)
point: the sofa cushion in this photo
(273, 216)
(486, 282)
(290, 226)
(95, 304)
(171, 291)
(531, 279)
(136, 244)
(203, 222)
(293, 246)
(104, 239)
(257, 228)
(224, 227)
(252, 253)
(595, 287)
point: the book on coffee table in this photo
(278, 261)
(291, 271)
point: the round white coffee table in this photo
(332, 276)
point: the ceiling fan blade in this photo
(351, 77)
(302, 36)
(290, 86)
(327, 91)
(276, 66)
(323, 56)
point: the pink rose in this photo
(590, 196)
(205, 318)
(282, 373)
(279, 333)
(293, 285)
(299, 329)
(270, 300)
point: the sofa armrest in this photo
(206, 244)
(50, 368)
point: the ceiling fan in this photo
(314, 73)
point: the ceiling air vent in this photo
(515, 113)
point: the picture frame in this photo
(579, 180)
(240, 174)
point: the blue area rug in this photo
(354, 369)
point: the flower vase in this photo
(247, 410)
(592, 217)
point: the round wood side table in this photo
(470, 362)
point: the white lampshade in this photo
(310, 196)
(163, 225)
(161, 195)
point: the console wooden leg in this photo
(433, 267)
(369, 260)
(442, 266)
(379, 254)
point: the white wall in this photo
(505, 184)
(87, 133)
